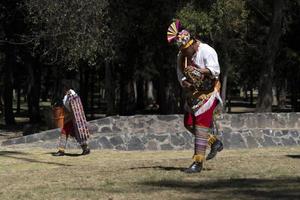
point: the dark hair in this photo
(67, 84)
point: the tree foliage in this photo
(67, 31)
(121, 55)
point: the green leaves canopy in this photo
(67, 31)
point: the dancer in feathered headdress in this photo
(198, 70)
(181, 36)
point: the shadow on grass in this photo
(67, 154)
(168, 168)
(281, 188)
(160, 168)
(12, 154)
(293, 156)
(4, 153)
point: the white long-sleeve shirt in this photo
(205, 57)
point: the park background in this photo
(118, 57)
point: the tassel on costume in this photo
(198, 158)
(211, 139)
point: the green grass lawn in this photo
(32, 173)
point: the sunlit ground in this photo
(32, 173)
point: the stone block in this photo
(48, 145)
(279, 120)
(237, 141)
(105, 143)
(292, 120)
(93, 128)
(152, 145)
(187, 136)
(294, 133)
(226, 117)
(268, 142)
(251, 142)
(138, 125)
(260, 141)
(237, 121)
(166, 147)
(106, 129)
(8, 142)
(251, 121)
(94, 144)
(264, 121)
(226, 138)
(277, 140)
(227, 130)
(116, 129)
(46, 136)
(104, 121)
(167, 117)
(158, 137)
(120, 147)
(176, 140)
(285, 133)
(32, 138)
(116, 140)
(188, 146)
(278, 133)
(135, 144)
(73, 145)
(289, 141)
(268, 132)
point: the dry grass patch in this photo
(32, 173)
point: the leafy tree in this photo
(223, 24)
(69, 31)
(12, 26)
(265, 98)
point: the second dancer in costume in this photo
(75, 123)
(198, 72)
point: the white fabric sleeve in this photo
(180, 75)
(66, 99)
(212, 63)
(66, 102)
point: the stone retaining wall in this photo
(166, 132)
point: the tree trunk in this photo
(127, 93)
(150, 93)
(127, 100)
(224, 73)
(162, 97)
(84, 83)
(140, 94)
(171, 99)
(8, 85)
(92, 85)
(264, 102)
(57, 92)
(33, 95)
(109, 90)
(1, 96)
(281, 98)
(251, 96)
(18, 99)
(294, 95)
